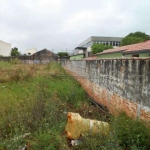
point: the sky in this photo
(61, 25)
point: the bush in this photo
(131, 133)
(97, 48)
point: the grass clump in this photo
(15, 61)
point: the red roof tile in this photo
(139, 47)
(129, 48)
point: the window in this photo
(135, 55)
(114, 43)
(111, 43)
(83, 55)
(117, 43)
(106, 43)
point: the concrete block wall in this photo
(120, 85)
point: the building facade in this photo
(44, 56)
(5, 48)
(85, 47)
(114, 41)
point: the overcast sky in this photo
(64, 24)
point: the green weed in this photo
(131, 134)
(35, 99)
(4, 65)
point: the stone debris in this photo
(76, 126)
(75, 142)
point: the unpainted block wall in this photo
(120, 85)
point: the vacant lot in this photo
(34, 100)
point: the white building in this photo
(5, 48)
(85, 46)
(31, 51)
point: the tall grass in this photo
(36, 105)
(35, 98)
(4, 64)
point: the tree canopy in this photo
(135, 37)
(97, 48)
(62, 54)
(15, 52)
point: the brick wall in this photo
(120, 85)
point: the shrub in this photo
(131, 133)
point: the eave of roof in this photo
(137, 51)
(82, 48)
(110, 51)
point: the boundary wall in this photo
(122, 85)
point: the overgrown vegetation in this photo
(63, 54)
(15, 52)
(131, 134)
(97, 48)
(135, 37)
(35, 99)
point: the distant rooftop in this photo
(138, 47)
(100, 38)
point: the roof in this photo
(115, 50)
(100, 38)
(82, 48)
(105, 38)
(45, 50)
(144, 46)
(138, 47)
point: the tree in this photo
(135, 37)
(62, 54)
(15, 52)
(97, 48)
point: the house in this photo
(5, 48)
(79, 53)
(133, 50)
(138, 50)
(44, 56)
(84, 49)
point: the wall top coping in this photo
(133, 58)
